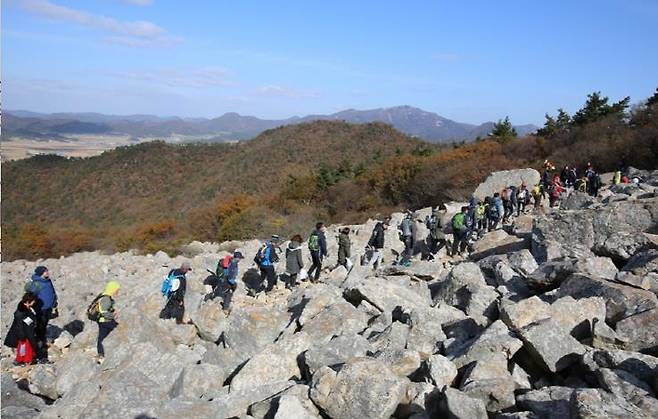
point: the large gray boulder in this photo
(441, 370)
(626, 386)
(337, 351)
(388, 293)
(644, 367)
(17, 403)
(352, 392)
(497, 242)
(250, 329)
(277, 362)
(291, 406)
(458, 405)
(640, 331)
(547, 402)
(591, 403)
(499, 180)
(621, 301)
(341, 318)
(551, 345)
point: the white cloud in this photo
(281, 91)
(139, 2)
(197, 78)
(132, 33)
(447, 57)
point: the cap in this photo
(238, 255)
(40, 270)
(186, 265)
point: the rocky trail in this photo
(553, 316)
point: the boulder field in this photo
(555, 315)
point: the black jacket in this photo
(377, 238)
(23, 327)
(178, 296)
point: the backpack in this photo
(314, 243)
(93, 311)
(405, 227)
(458, 221)
(224, 263)
(168, 284)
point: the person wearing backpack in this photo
(459, 231)
(294, 260)
(175, 306)
(436, 239)
(407, 234)
(376, 243)
(230, 280)
(521, 199)
(265, 258)
(344, 247)
(555, 191)
(317, 245)
(42, 286)
(496, 211)
(106, 315)
(22, 332)
(480, 216)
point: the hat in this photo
(111, 288)
(238, 255)
(40, 270)
(186, 265)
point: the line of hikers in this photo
(39, 304)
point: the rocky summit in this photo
(554, 315)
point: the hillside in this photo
(552, 316)
(157, 196)
(232, 126)
(150, 182)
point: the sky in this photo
(470, 61)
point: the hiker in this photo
(521, 199)
(513, 198)
(507, 204)
(22, 332)
(555, 191)
(175, 306)
(593, 181)
(481, 215)
(496, 211)
(294, 260)
(459, 231)
(344, 248)
(42, 286)
(408, 236)
(265, 258)
(581, 184)
(376, 243)
(564, 176)
(107, 316)
(616, 178)
(317, 245)
(436, 238)
(537, 195)
(546, 177)
(572, 177)
(230, 282)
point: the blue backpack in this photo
(167, 284)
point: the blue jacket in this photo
(44, 290)
(231, 273)
(498, 203)
(269, 255)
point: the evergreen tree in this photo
(550, 127)
(503, 130)
(597, 107)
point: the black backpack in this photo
(93, 311)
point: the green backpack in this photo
(458, 221)
(314, 243)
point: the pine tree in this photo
(597, 107)
(503, 130)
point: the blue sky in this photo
(470, 61)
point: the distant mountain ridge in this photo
(233, 126)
